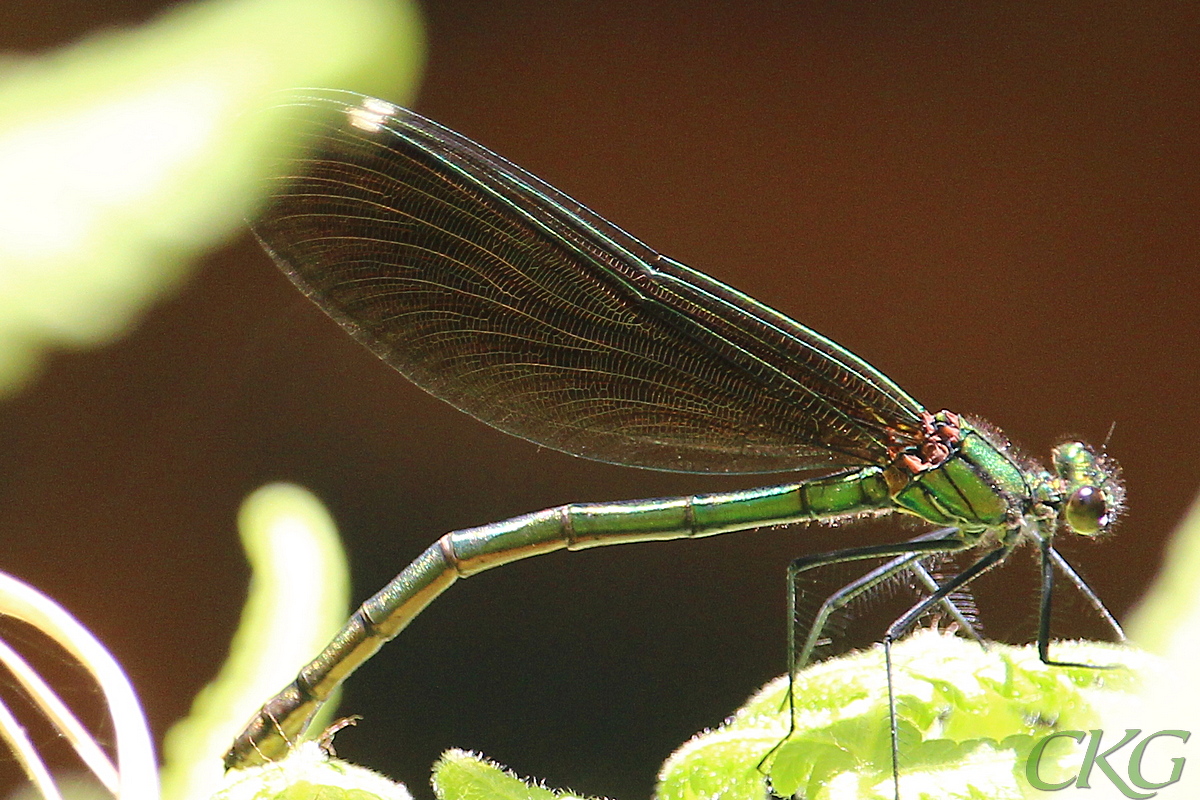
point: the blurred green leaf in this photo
(309, 774)
(127, 155)
(299, 591)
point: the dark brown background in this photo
(996, 205)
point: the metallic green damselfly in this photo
(516, 304)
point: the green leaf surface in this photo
(967, 718)
(459, 775)
(309, 774)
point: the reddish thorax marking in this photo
(938, 438)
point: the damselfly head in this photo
(1092, 491)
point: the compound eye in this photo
(1087, 511)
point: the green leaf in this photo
(126, 156)
(459, 775)
(967, 718)
(309, 774)
(298, 598)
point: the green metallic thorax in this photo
(976, 488)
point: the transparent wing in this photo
(509, 300)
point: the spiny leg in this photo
(905, 623)
(1093, 599)
(903, 554)
(908, 556)
(1050, 559)
(918, 571)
